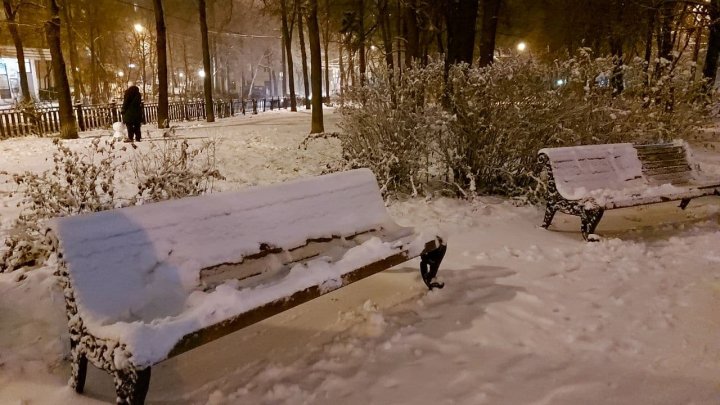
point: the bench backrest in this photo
(580, 169)
(666, 163)
(577, 170)
(144, 262)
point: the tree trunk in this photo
(78, 89)
(316, 68)
(162, 117)
(284, 68)
(10, 15)
(491, 9)
(342, 68)
(617, 80)
(361, 40)
(713, 51)
(303, 53)
(326, 46)
(461, 16)
(207, 82)
(385, 30)
(412, 45)
(68, 126)
(288, 53)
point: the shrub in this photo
(81, 182)
(482, 131)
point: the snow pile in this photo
(528, 316)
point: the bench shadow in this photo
(648, 223)
(301, 332)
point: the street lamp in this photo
(201, 73)
(521, 46)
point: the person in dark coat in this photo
(132, 112)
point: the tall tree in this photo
(713, 47)
(326, 46)
(460, 18)
(287, 39)
(11, 11)
(303, 52)
(490, 11)
(78, 88)
(68, 126)
(207, 68)
(162, 118)
(411, 31)
(317, 125)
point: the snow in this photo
(527, 316)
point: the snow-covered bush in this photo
(84, 181)
(78, 182)
(173, 169)
(481, 133)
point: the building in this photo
(37, 64)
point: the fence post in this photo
(80, 118)
(242, 102)
(232, 108)
(255, 106)
(114, 112)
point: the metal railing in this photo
(44, 121)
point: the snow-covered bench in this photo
(587, 180)
(146, 283)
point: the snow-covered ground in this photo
(528, 316)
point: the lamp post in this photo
(140, 30)
(521, 46)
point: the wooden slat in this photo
(213, 332)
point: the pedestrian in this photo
(132, 112)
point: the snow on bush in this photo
(84, 181)
(172, 169)
(481, 132)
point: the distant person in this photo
(132, 112)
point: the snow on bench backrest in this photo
(142, 263)
(579, 170)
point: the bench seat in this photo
(146, 283)
(590, 179)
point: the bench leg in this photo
(590, 220)
(429, 265)
(684, 203)
(79, 368)
(550, 211)
(132, 387)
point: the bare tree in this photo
(207, 69)
(713, 47)
(162, 118)
(490, 11)
(303, 52)
(287, 39)
(68, 127)
(78, 88)
(11, 11)
(317, 125)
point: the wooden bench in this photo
(588, 180)
(146, 283)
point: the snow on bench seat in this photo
(587, 180)
(142, 281)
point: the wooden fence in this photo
(44, 121)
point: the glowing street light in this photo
(132, 66)
(521, 46)
(181, 74)
(201, 73)
(120, 73)
(138, 28)
(560, 82)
